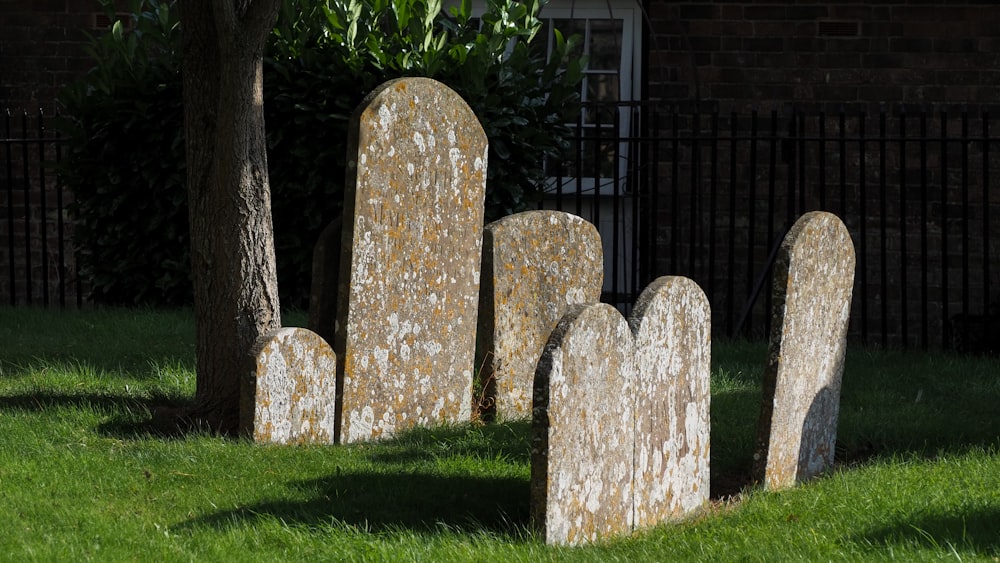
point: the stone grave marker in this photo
(582, 428)
(409, 284)
(290, 398)
(671, 322)
(325, 277)
(536, 264)
(813, 282)
(620, 422)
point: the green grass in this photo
(82, 478)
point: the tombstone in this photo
(582, 428)
(620, 422)
(535, 265)
(291, 396)
(325, 276)
(671, 322)
(813, 281)
(409, 283)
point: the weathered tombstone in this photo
(671, 322)
(325, 276)
(409, 283)
(582, 428)
(535, 265)
(813, 281)
(291, 396)
(620, 421)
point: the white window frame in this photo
(629, 78)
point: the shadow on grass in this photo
(391, 500)
(977, 531)
(407, 490)
(128, 417)
(507, 441)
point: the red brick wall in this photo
(753, 54)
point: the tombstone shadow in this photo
(392, 494)
(378, 501)
(732, 443)
(975, 531)
(124, 423)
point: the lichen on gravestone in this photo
(290, 398)
(536, 264)
(409, 284)
(813, 283)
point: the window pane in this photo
(602, 87)
(605, 48)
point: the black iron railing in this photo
(705, 195)
(711, 195)
(35, 227)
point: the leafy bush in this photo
(126, 159)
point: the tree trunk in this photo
(232, 240)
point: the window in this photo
(610, 35)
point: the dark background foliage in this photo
(125, 159)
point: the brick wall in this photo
(738, 55)
(41, 49)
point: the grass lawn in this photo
(82, 478)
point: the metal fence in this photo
(711, 195)
(35, 227)
(705, 195)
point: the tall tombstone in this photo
(582, 428)
(671, 322)
(290, 398)
(536, 264)
(813, 282)
(409, 283)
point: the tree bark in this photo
(232, 239)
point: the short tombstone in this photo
(671, 322)
(536, 264)
(409, 284)
(620, 425)
(290, 398)
(813, 282)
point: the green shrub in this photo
(125, 162)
